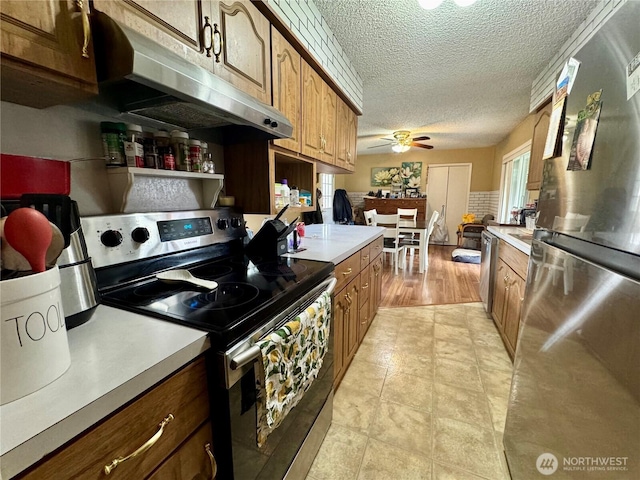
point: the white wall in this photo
(544, 84)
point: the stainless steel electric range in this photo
(253, 297)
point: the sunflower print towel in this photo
(291, 359)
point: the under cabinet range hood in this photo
(144, 82)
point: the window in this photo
(327, 186)
(515, 169)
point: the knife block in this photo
(268, 242)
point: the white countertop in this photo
(503, 233)
(328, 242)
(115, 356)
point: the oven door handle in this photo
(253, 353)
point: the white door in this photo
(449, 185)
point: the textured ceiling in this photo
(460, 75)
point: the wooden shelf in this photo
(124, 179)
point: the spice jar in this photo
(150, 151)
(134, 146)
(163, 142)
(113, 137)
(180, 144)
(195, 155)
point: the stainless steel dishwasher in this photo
(489, 256)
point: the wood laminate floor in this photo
(443, 282)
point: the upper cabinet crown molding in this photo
(47, 54)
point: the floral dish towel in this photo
(291, 359)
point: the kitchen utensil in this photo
(14, 260)
(29, 232)
(281, 212)
(181, 275)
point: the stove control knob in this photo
(140, 235)
(111, 238)
(223, 223)
(236, 222)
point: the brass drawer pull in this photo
(366, 256)
(86, 28)
(143, 448)
(348, 271)
(365, 286)
(214, 465)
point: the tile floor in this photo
(424, 398)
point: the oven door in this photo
(291, 448)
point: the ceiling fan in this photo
(402, 141)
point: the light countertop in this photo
(115, 357)
(505, 234)
(328, 242)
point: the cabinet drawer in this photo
(513, 257)
(347, 270)
(191, 461)
(184, 395)
(375, 248)
(365, 256)
(365, 284)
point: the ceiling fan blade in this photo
(419, 139)
(420, 145)
(378, 146)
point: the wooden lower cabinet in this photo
(509, 294)
(180, 448)
(355, 304)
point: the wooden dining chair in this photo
(391, 236)
(368, 216)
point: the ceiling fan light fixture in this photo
(429, 4)
(464, 3)
(398, 148)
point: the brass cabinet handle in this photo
(363, 323)
(207, 28)
(217, 42)
(347, 297)
(143, 448)
(214, 465)
(86, 27)
(365, 286)
(366, 256)
(348, 271)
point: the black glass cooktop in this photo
(248, 294)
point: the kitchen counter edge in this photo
(115, 357)
(503, 234)
(328, 242)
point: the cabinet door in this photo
(538, 141)
(342, 134)
(177, 25)
(339, 318)
(328, 121)
(311, 112)
(43, 61)
(287, 84)
(513, 308)
(365, 320)
(352, 318)
(500, 293)
(192, 460)
(245, 60)
(352, 138)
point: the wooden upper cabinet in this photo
(245, 59)
(538, 141)
(346, 133)
(311, 111)
(328, 124)
(47, 55)
(287, 84)
(174, 25)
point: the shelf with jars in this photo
(129, 183)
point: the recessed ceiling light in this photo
(464, 3)
(430, 4)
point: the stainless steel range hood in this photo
(148, 84)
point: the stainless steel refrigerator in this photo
(574, 408)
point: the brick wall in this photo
(543, 85)
(482, 203)
(305, 21)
